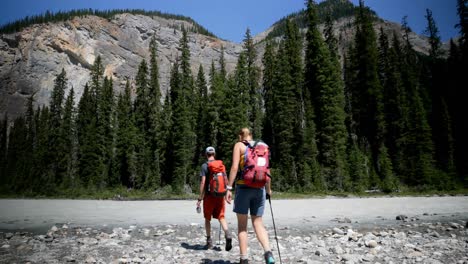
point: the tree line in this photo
(388, 118)
(59, 16)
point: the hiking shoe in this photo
(269, 259)
(244, 261)
(228, 243)
(209, 243)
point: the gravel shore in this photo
(421, 230)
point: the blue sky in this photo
(230, 19)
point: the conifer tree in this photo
(458, 102)
(126, 136)
(166, 135)
(87, 138)
(17, 143)
(255, 103)
(56, 139)
(396, 108)
(183, 135)
(323, 80)
(142, 114)
(216, 104)
(42, 172)
(68, 162)
(105, 123)
(203, 123)
(269, 68)
(154, 133)
(3, 151)
(367, 97)
(433, 33)
(287, 90)
(417, 162)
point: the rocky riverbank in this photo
(409, 240)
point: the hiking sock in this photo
(209, 243)
(269, 259)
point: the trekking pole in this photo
(274, 227)
(219, 234)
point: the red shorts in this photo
(213, 207)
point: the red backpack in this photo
(256, 171)
(217, 178)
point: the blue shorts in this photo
(249, 198)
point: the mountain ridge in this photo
(31, 58)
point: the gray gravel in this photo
(351, 230)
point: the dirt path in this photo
(39, 215)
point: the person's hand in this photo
(268, 194)
(229, 196)
(199, 202)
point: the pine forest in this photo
(379, 116)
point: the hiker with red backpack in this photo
(213, 185)
(252, 188)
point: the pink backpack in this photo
(256, 171)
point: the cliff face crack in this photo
(74, 58)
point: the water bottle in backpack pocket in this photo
(256, 172)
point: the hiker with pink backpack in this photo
(252, 188)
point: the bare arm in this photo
(234, 168)
(235, 163)
(202, 188)
(268, 188)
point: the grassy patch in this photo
(167, 194)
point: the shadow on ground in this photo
(198, 247)
(209, 261)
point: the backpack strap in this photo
(207, 178)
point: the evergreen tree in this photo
(367, 91)
(203, 123)
(330, 38)
(56, 138)
(457, 103)
(154, 133)
(289, 114)
(269, 68)
(216, 105)
(42, 172)
(255, 103)
(323, 80)
(126, 136)
(17, 144)
(68, 162)
(142, 110)
(183, 136)
(30, 168)
(3, 151)
(166, 133)
(396, 108)
(433, 33)
(440, 119)
(87, 138)
(106, 130)
(416, 164)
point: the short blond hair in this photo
(244, 134)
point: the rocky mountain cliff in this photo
(30, 59)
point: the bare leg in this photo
(224, 225)
(208, 228)
(242, 233)
(261, 232)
